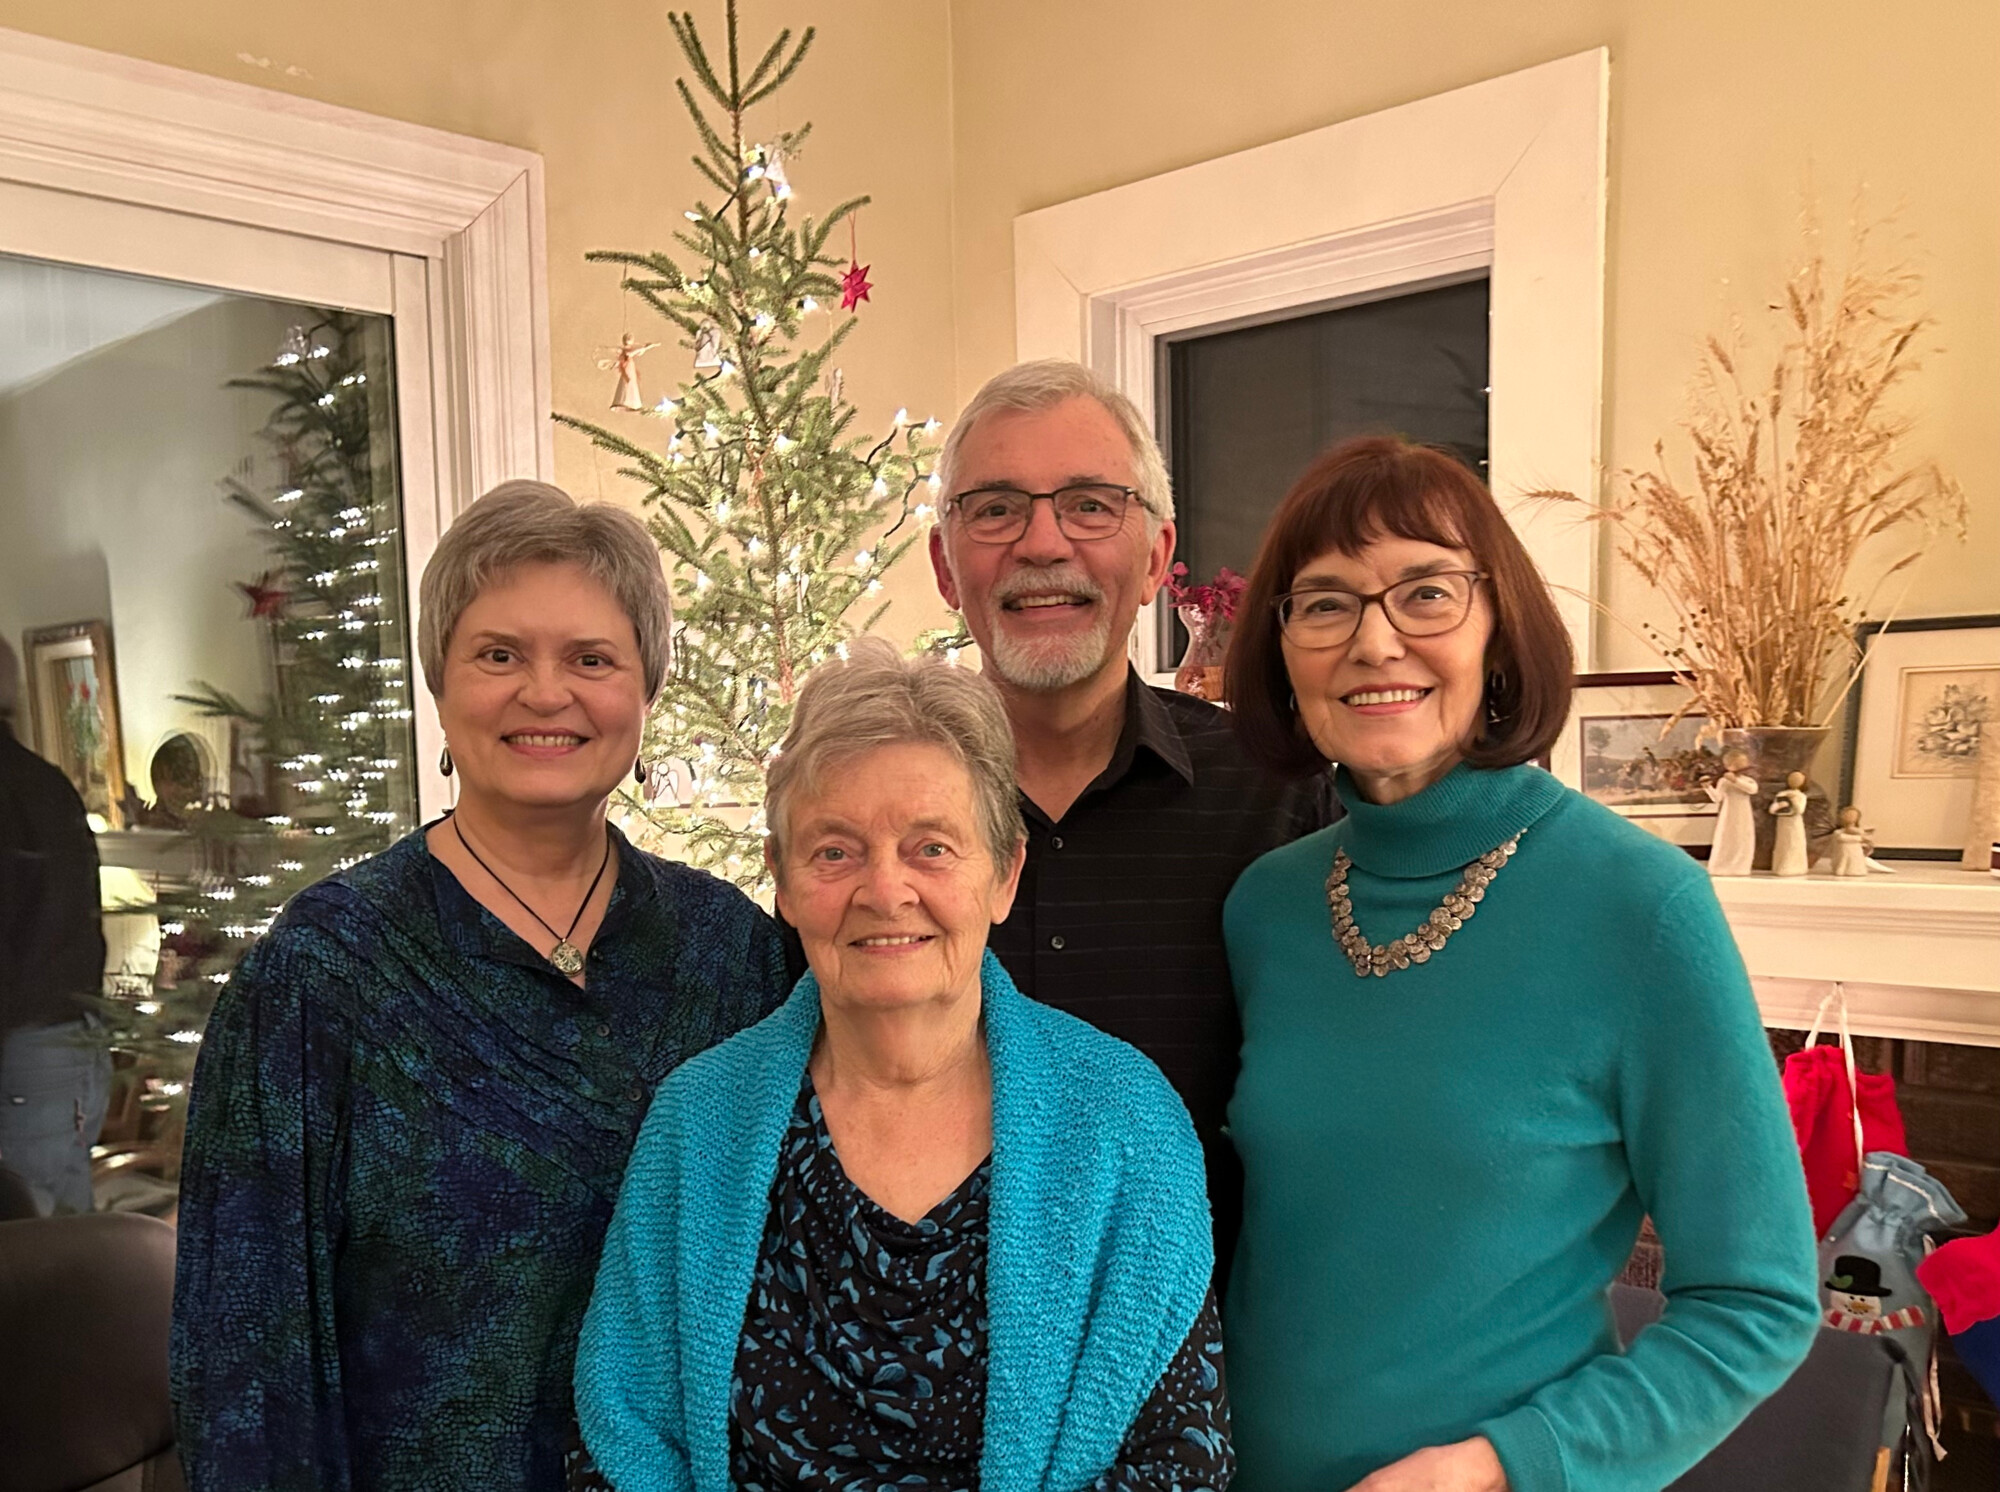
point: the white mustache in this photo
(1064, 577)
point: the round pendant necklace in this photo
(566, 957)
(1431, 934)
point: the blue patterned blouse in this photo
(862, 1365)
(406, 1136)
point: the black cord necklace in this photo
(565, 955)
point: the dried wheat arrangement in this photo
(1792, 480)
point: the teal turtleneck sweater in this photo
(1446, 1166)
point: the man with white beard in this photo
(1056, 527)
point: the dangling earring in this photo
(1495, 682)
(1292, 700)
(639, 771)
(444, 762)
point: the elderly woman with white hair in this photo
(913, 1229)
(418, 1092)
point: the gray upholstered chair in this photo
(84, 1307)
(1820, 1432)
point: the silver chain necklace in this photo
(1431, 935)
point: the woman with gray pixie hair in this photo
(417, 1094)
(914, 1229)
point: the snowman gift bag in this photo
(1868, 1281)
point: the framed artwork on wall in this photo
(1633, 745)
(1927, 704)
(73, 696)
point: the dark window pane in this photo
(1249, 408)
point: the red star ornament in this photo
(267, 598)
(854, 286)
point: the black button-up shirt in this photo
(1119, 915)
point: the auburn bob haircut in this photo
(1369, 488)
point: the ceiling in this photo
(52, 314)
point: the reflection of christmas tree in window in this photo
(326, 778)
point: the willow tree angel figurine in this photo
(1788, 848)
(1854, 846)
(626, 360)
(1735, 830)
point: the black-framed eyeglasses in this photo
(1428, 606)
(999, 515)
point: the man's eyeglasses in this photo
(1430, 605)
(999, 515)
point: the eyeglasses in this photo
(1430, 605)
(999, 515)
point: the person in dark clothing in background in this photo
(55, 1078)
(1141, 808)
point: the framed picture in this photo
(73, 696)
(1629, 746)
(1927, 704)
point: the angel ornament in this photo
(1788, 807)
(626, 360)
(1735, 830)
(773, 162)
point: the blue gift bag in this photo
(1868, 1285)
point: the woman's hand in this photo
(1468, 1466)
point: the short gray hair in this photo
(1034, 386)
(875, 697)
(520, 523)
(10, 681)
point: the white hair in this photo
(1034, 386)
(875, 697)
(520, 523)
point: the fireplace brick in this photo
(1962, 1069)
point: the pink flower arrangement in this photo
(1216, 602)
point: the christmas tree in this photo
(336, 732)
(777, 517)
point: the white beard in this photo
(1049, 664)
(1052, 663)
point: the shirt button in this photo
(1055, 841)
(633, 1095)
(1057, 942)
(604, 1028)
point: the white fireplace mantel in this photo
(1917, 953)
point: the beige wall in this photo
(590, 88)
(1721, 111)
(102, 519)
(959, 114)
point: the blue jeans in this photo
(55, 1084)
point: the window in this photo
(1247, 408)
(202, 571)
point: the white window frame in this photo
(1507, 175)
(127, 165)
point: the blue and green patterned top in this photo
(406, 1136)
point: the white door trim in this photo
(126, 165)
(1509, 172)
(99, 125)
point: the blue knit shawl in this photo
(1097, 1264)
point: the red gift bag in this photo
(1839, 1116)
